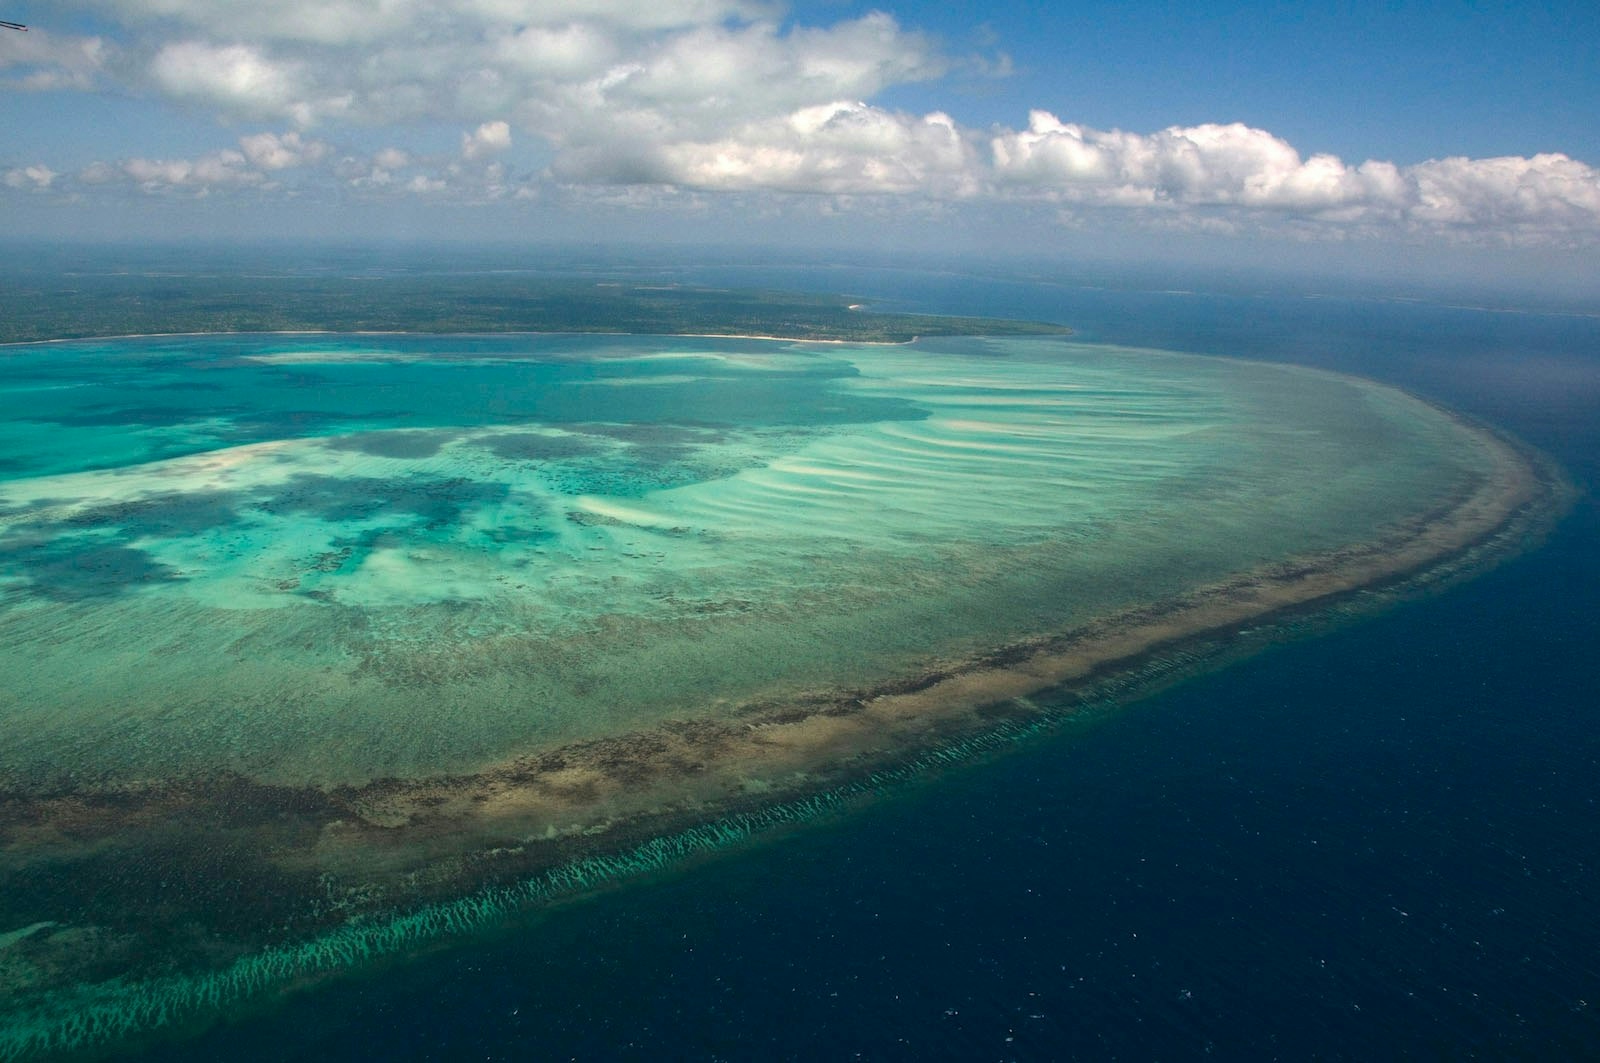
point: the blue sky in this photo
(1403, 82)
(1344, 131)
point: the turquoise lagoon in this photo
(307, 573)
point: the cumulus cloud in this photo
(755, 67)
(221, 169)
(29, 177)
(239, 79)
(1545, 191)
(1203, 165)
(361, 172)
(1214, 177)
(273, 151)
(287, 163)
(572, 52)
(840, 148)
(254, 164)
(391, 159)
(677, 99)
(490, 138)
(705, 84)
(1237, 166)
(567, 71)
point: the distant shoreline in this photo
(135, 307)
(514, 332)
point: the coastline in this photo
(515, 332)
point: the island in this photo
(66, 303)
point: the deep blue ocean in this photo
(1380, 843)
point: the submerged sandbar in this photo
(325, 628)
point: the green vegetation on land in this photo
(41, 306)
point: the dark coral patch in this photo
(169, 516)
(77, 568)
(435, 502)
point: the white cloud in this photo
(1545, 191)
(490, 138)
(391, 159)
(722, 97)
(231, 76)
(569, 71)
(1198, 165)
(707, 83)
(29, 177)
(238, 79)
(736, 69)
(43, 61)
(1235, 166)
(273, 151)
(220, 169)
(576, 51)
(836, 149)
(250, 166)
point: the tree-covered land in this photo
(55, 302)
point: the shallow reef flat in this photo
(318, 647)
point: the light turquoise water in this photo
(318, 559)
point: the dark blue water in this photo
(1383, 843)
